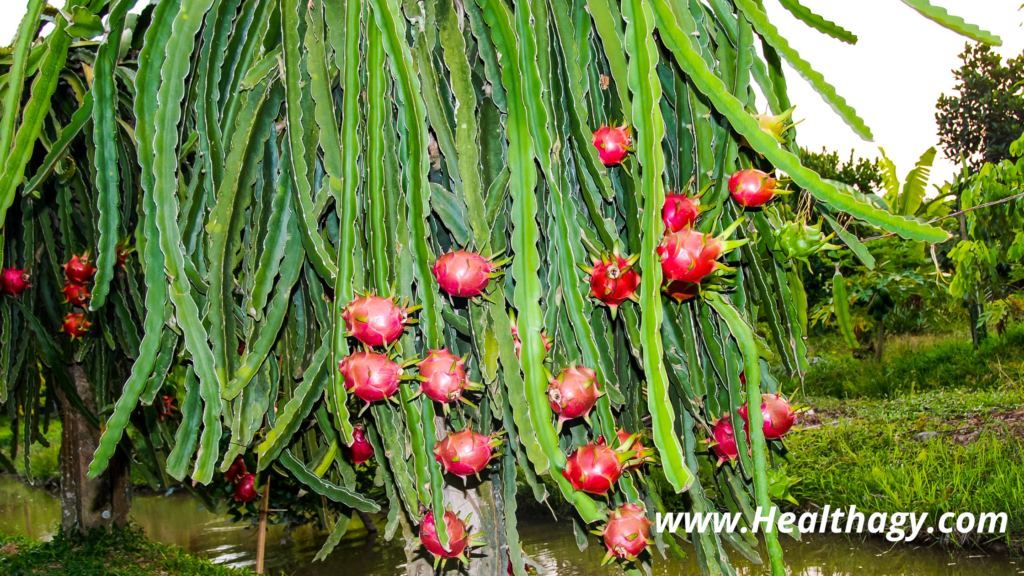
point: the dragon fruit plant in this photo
(302, 181)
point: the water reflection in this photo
(178, 519)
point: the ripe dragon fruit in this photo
(595, 468)
(799, 241)
(519, 343)
(613, 279)
(679, 211)
(443, 377)
(75, 325)
(237, 470)
(777, 415)
(370, 376)
(376, 321)
(75, 293)
(245, 490)
(627, 534)
(573, 393)
(632, 442)
(458, 537)
(752, 188)
(612, 143)
(464, 274)
(360, 450)
(724, 440)
(14, 281)
(465, 453)
(79, 269)
(690, 256)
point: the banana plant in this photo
(328, 230)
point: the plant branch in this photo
(953, 215)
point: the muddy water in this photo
(178, 519)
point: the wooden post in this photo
(261, 539)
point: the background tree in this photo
(283, 168)
(978, 123)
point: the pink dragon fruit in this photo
(14, 281)
(613, 279)
(465, 453)
(777, 415)
(464, 274)
(573, 393)
(370, 376)
(359, 450)
(627, 534)
(376, 321)
(752, 188)
(443, 377)
(612, 143)
(596, 467)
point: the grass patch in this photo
(918, 365)
(936, 452)
(126, 552)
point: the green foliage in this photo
(990, 260)
(863, 174)
(126, 552)
(986, 114)
(952, 365)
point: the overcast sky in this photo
(893, 75)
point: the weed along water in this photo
(177, 519)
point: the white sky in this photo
(893, 76)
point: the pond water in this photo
(178, 519)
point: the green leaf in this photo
(771, 35)
(851, 241)
(646, 88)
(954, 23)
(84, 24)
(818, 23)
(916, 185)
(16, 75)
(336, 493)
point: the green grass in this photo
(125, 552)
(913, 366)
(869, 453)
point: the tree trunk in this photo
(89, 502)
(879, 340)
(974, 307)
